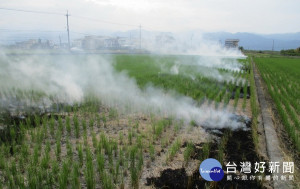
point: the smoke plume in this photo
(70, 78)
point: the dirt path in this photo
(274, 150)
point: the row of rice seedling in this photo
(280, 74)
(89, 145)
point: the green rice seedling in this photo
(37, 120)
(121, 137)
(136, 126)
(130, 137)
(95, 140)
(85, 141)
(21, 164)
(100, 162)
(47, 147)
(111, 169)
(45, 126)
(80, 153)
(32, 181)
(132, 154)
(173, 149)
(113, 114)
(237, 96)
(104, 120)
(2, 161)
(139, 142)
(12, 133)
(107, 181)
(89, 172)
(83, 123)
(36, 154)
(24, 151)
(76, 125)
(32, 135)
(55, 169)
(105, 143)
(58, 149)
(64, 174)
(121, 157)
(60, 124)
(28, 123)
(6, 150)
(46, 158)
(158, 129)
(110, 153)
(11, 181)
(91, 124)
(176, 127)
(68, 125)
(134, 177)
(122, 185)
(69, 150)
(245, 95)
(117, 172)
(140, 160)
(75, 176)
(22, 132)
(222, 145)
(98, 119)
(114, 147)
(52, 124)
(13, 168)
(188, 152)
(152, 151)
(20, 182)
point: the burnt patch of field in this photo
(239, 148)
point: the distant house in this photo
(34, 44)
(27, 44)
(232, 43)
(102, 42)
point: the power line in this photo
(21, 30)
(31, 11)
(74, 16)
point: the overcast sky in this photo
(258, 16)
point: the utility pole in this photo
(140, 37)
(273, 45)
(67, 15)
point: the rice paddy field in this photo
(281, 76)
(133, 121)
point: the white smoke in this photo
(72, 77)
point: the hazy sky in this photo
(259, 16)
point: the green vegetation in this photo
(254, 108)
(173, 149)
(291, 52)
(154, 70)
(88, 144)
(188, 151)
(281, 76)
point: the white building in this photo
(232, 43)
